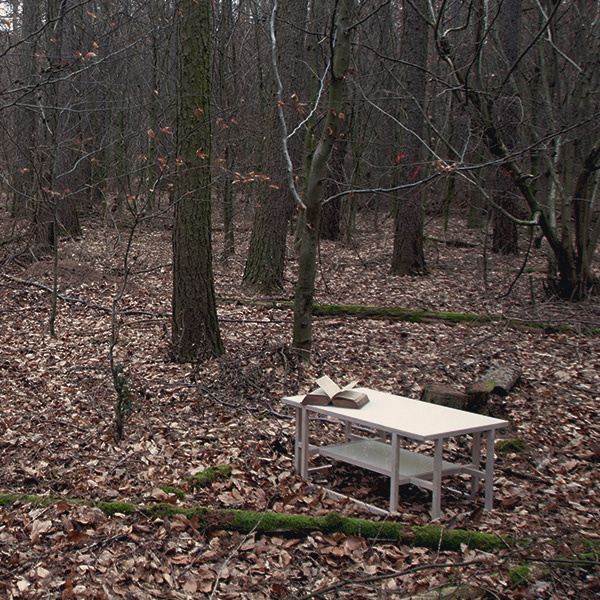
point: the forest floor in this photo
(57, 426)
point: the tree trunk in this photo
(25, 185)
(267, 251)
(227, 79)
(196, 333)
(63, 182)
(305, 286)
(408, 257)
(266, 255)
(331, 219)
(505, 239)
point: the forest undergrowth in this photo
(57, 427)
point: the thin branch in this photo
(230, 556)
(105, 309)
(383, 577)
(372, 13)
(316, 104)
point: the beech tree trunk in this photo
(25, 184)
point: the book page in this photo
(328, 386)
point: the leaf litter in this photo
(56, 429)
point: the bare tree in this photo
(505, 237)
(562, 136)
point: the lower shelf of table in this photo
(377, 456)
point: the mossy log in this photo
(408, 314)
(431, 536)
(271, 523)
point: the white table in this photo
(401, 417)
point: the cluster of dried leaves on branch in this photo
(56, 429)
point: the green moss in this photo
(453, 539)
(510, 445)
(591, 551)
(6, 499)
(333, 522)
(405, 314)
(111, 508)
(364, 528)
(590, 544)
(519, 575)
(586, 558)
(268, 522)
(170, 489)
(210, 475)
(242, 520)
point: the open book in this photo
(329, 392)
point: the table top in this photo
(405, 416)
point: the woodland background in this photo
(184, 185)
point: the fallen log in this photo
(474, 400)
(407, 314)
(444, 395)
(500, 379)
(497, 380)
(431, 536)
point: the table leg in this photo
(298, 442)
(489, 470)
(394, 473)
(347, 431)
(436, 501)
(475, 459)
(304, 443)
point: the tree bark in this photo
(331, 219)
(196, 334)
(505, 239)
(305, 286)
(25, 184)
(266, 255)
(408, 257)
(63, 180)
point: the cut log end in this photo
(504, 378)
